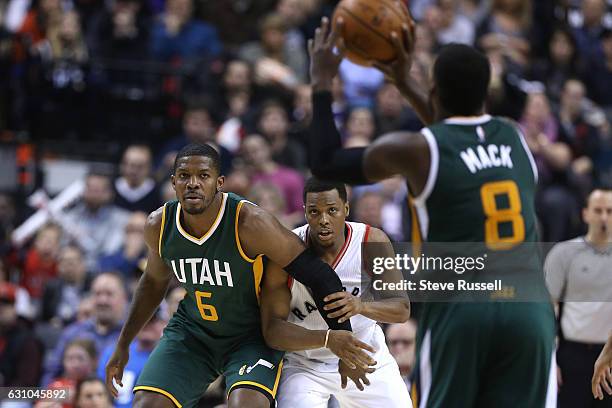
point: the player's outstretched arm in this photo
(392, 308)
(260, 233)
(283, 335)
(149, 293)
(602, 375)
(401, 153)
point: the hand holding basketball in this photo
(368, 26)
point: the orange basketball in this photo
(367, 28)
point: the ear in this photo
(585, 215)
(220, 182)
(173, 181)
(347, 208)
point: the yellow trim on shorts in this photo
(272, 392)
(158, 390)
(244, 256)
(161, 230)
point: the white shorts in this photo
(302, 387)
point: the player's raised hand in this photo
(114, 369)
(346, 304)
(350, 349)
(357, 375)
(398, 70)
(602, 374)
(326, 53)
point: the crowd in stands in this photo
(130, 82)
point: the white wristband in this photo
(327, 337)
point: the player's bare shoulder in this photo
(377, 235)
(252, 218)
(153, 226)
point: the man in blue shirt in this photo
(110, 305)
(140, 350)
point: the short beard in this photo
(195, 211)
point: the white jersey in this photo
(348, 266)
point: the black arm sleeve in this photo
(309, 270)
(328, 160)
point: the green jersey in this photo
(222, 282)
(481, 185)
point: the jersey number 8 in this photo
(208, 312)
(496, 216)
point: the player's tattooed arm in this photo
(392, 307)
(283, 335)
(261, 233)
(149, 293)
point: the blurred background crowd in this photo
(97, 96)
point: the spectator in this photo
(40, 263)
(62, 295)
(268, 197)
(239, 95)
(368, 209)
(127, 259)
(33, 30)
(589, 32)
(302, 112)
(277, 61)
(561, 64)
(120, 33)
(110, 301)
(135, 189)
(86, 309)
(556, 203)
(360, 128)
(579, 133)
(61, 80)
(273, 124)
(391, 113)
(79, 362)
(506, 30)
(20, 353)
(578, 274)
(92, 393)
(140, 349)
(258, 156)
(199, 126)
(95, 224)
(599, 80)
(177, 35)
(401, 339)
(444, 19)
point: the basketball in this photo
(367, 28)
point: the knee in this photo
(148, 399)
(246, 397)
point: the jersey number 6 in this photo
(497, 216)
(208, 312)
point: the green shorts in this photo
(485, 355)
(182, 367)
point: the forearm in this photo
(387, 311)
(328, 160)
(309, 270)
(285, 336)
(148, 296)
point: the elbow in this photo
(403, 314)
(271, 340)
